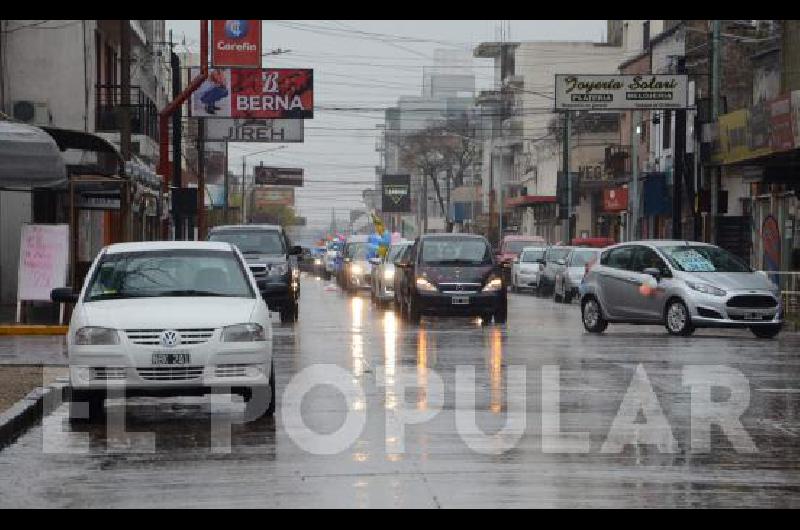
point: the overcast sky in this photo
(365, 63)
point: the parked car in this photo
(170, 318)
(510, 247)
(272, 259)
(356, 270)
(568, 280)
(317, 267)
(555, 260)
(383, 273)
(305, 260)
(682, 285)
(452, 274)
(525, 269)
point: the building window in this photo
(666, 130)
(645, 34)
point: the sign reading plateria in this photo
(621, 92)
(254, 93)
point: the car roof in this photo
(664, 243)
(147, 246)
(540, 247)
(449, 234)
(247, 227)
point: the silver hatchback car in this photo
(684, 285)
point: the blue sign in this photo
(656, 195)
(236, 29)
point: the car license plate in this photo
(171, 358)
(460, 300)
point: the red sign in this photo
(780, 122)
(236, 43)
(615, 199)
(263, 93)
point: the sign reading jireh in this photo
(254, 93)
(621, 92)
(42, 260)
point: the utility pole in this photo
(125, 123)
(447, 218)
(715, 93)
(177, 133)
(680, 163)
(633, 218)
(201, 179)
(226, 183)
(500, 202)
(567, 176)
(424, 201)
(244, 170)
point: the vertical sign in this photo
(42, 261)
(396, 194)
(771, 240)
(236, 43)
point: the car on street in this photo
(383, 273)
(555, 261)
(452, 274)
(682, 285)
(171, 318)
(568, 280)
(273, 261)
(330, 259)
(509, 249)
(526, 267)
(356, 270)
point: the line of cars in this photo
(680, 284)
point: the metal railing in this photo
(143, 112)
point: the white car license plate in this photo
(171, 358)
(460, 300)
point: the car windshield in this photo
(581, 258)
(456, 251)
(395, 252)
(252, 241)
(169, 273)
(357, 251)
(703, 259)
(515, 247)
(556, 254)
(530, 256)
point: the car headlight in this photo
(278, 269)
(96, 336)
(424, 285)
(705, 288)
(317, 261)
(250, 332)
(388, 274)
(355, 268)
(495, 284)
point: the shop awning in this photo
(29, 158)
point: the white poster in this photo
(44, 251)
(621, 92)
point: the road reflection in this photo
(496, 371)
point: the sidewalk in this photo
(41, 321)
(33, 350)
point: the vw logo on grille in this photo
(460, 287)
(170, 338)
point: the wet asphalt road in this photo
(265, 466)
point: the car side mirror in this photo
(63, 295)
(375, 261)
(654, 272)
(296, 250)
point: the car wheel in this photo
(414, 315)
(296, 311)
(677, 319)
(766, 332)
(568, 297)
(501, 315)
(556, 298)
(81, 400)
(287, 314)
(254, 399)
(592, 316)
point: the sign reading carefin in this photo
(236, 43)
(621, 92)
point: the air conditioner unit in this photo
(33, 112)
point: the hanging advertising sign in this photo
(621, 92)
(260, 93)
(254, 130)
(265, 197)
(780, 123)
(396, 193)
(278, 176)
(615, 200)
(236, 43)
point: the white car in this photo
(577, 264)
(169, 319)
(526, 268)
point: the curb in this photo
(27, 411)
(32, 329)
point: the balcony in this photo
(143, 112)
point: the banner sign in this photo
(621, 92)
(254, 93)
(253, 130)
(396, 193)
(265, 197)
(236, 43)
(43, 254)
(278, 176)
(734, 139)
